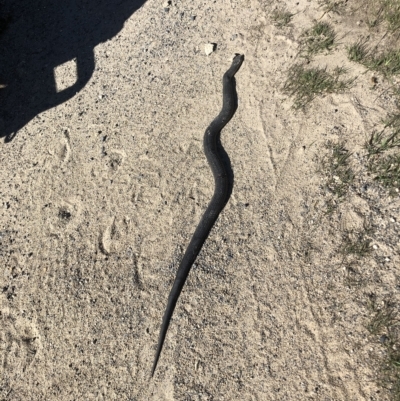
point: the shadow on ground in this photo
(41, 35)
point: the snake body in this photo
(223, 188)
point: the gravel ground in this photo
(104, 179)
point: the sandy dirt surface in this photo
(102, 192)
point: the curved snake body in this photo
(223, 188)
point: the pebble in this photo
(209, 48)
(167, 5)
(383, 339)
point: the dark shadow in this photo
(41, 35)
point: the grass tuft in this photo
(320, 37)
(379, 142)
(358, 51)
(386, 63)
(332, 6)
(359, 245)
(384, 161)
(340, 176)
(387, 172)
(393, 121)
(383, 318)
(385, 323)
(281, 17)
(304, 84)
(391, 14)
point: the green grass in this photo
(387, 11)
(336, 167)
(320, 37)
(281, 17)
(358, 245)
(393, 121)
(387, 172)
(382, 319)
(391, 13)
(339, 175)
(387, 63)
(358, 51)
(337, 7)
(381, 142)
(383, 146)
(383, 154)
(305, 83)
(385, 323)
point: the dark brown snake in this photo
(223, 188)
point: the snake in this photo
(222, 172)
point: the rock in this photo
(209, 48)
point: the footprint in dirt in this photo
(115, 159)
(60, 149)
(111, 236)
(19, 345)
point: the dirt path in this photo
(102, 193)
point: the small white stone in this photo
(209, 48)
(375, 246)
